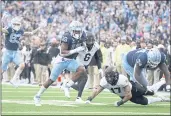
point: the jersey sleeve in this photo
(103, 82)
(123, 81)
(65, 38)
(142, 60)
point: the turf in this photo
(19, 101)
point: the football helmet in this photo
(16, 23)
(153, 58)
(76, 29)
(90, 39)
(111, 75)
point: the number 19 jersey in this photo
(84, 57)
(119, 87)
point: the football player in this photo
(137, 61)
(133, 91)
(72, 42)
(13, 35)
(93, 49)
(84, 57)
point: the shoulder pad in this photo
(66, 37)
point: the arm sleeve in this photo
(99, 58)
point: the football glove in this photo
(118, 103)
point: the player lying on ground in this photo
(136, 62)
(13, 35)
(71, 44)
(126, 90)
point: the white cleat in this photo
(79, 100)
(14, 83)
(37, 101)
(66, 89)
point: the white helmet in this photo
(154, 57)
(76, 29)
(16, 23)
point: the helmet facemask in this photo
(154, 58)
(90, 41)
(111, 76)
(76, 29)
(16, 24)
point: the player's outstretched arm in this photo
(65, 52)
(127, 97)
(94, 94)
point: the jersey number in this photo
(118, 89)
(87, 57)
(13, 38)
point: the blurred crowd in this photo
(119, 26)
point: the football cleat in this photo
(79, 100)
(14, 83)
(87, 101)
(66, 89)
(37, 101)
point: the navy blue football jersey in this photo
(12, 39)
(73, 43)
(139, 56)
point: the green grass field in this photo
(19, 101)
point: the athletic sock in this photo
(41, 91)
(153, 99)
(5, 76)
(156, 86)
(17, 74)
(70, 83)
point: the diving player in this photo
(72, 42)
(13, 35)
(137, 61)
(126, 90)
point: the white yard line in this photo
(99, 113)
(57, 91)
(71, 102)
(50, 96)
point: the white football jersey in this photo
(84, 57)
(119, 87)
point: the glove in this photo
(101, 73)
(81, 48)
(118, 103)
(87, 101)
